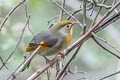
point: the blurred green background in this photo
(92, 59)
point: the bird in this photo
(53, 40)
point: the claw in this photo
(62, 55)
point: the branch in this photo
(3, 63)
(67, 64)
(110, 75)
(84, 17)
(103, 5)
(93, 37)
(97, 13)
(26, 13)
(10, 13)
(73, 13)
(24, 64)
(17, 43)
(94, 3)
(80, 40)
(42, 69)
(112, 19)
(84, 13)
(61, 74)
(61, 12)
(67, 13)
(70, 12)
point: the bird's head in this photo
(64, 27)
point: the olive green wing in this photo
(45, 36)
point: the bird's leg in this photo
(48, 71)
(25, 57)
(28, 64)
(59, 64)
(47, 60)
(62, 55)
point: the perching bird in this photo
(53, 40)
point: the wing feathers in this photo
(45, 37)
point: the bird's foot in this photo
(62, 55)
(47, 60)
(27, 65)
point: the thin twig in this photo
(23, 65)
(10, 13)
(3, 62)
(84, 16)
(67, 64)
(61, 11)
(17, 43)
(71, 12)
(62, 72)
(80, 40)
(103, 5)
(106, 42)
(84, 12)
(116, 11)
(61, 75)
(97, 14)
(112, 19)
(113, 74)
(26, 13)
(59, 63)
(93, 37)
(93, 8)
(93, 22)
(67, 13)
(93, 3)
(42, 69)
(48, 74)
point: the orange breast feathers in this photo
(69, 37)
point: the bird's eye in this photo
(68, 26)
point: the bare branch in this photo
(67, 64)
(80, 40)
(62, 72)
(71, 12)
(94, 3)
(10, 13)
(103, 5)
(17, 44)
(112, 19)
(24, 64)
(42, 69)
(97, 13)
(3, 62)
(67, 13)
(84, 12)
(75, 44)
(113, 74)
(61, 12)
(27, 16)
(94, 38)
